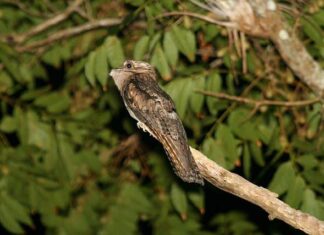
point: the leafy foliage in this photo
(69, 164)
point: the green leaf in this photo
(60, 105)
(89, 68)
(168, 4)
(295, 192)
(211, 31)
(246, 161)
(313, 30)
(196, 99)
(257, 154)
(180, 90)
(170, 49)
(319, 17)
(310, 204)
(5, 81)
(52, 57)
(197, 199)
(313, 125)
(213, 150)
(185, 41)
(308, 161)
(8, 221)
(283, 178)
(101, 66)
(19, 212)
(160, 62)
(228, 143)
(213, 84)
(115, 53)
(179, 200)
(155, 39)
(22, 125)
(141, 47)
(241, 126)
(53, 102)
(8, 124)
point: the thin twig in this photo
(20, 38)
(195, 15)
(259, 103)
(70, 32)
(267, 200)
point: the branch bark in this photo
(20, 38)
(70, 32)
(267, 200)
(259, 103)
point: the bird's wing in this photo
(154, 108)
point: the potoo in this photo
(155, 113)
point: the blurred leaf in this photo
(185, 41)
(124, 214)
(170, 50)
(313, 31)
(197, 199)
(141, 47)
(8, 221)
(18, 211)
(213, 84)
(283, 178)
(246, 161)
(214, 151)
(310, 204)
(5, 82)
(319, 17)
(196, 99)
(101, 66)
(90, 68)
(228, 143)
(160, 62)
(180, 91)
(295, 192)
(155, 39)
(241, 126)
(115, 53)
(179, 200)
(256, 154)
(8, 124)
(308, 161)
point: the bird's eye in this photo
(129, 65)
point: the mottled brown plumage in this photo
(155, 112)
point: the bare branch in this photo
(259, 103)
(70, 32)
(198, 16)
(267, 200)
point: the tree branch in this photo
(263, 18)
(20, 38)
(267, 200)
(70, 32)
(259, 103)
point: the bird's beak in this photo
(114, 72)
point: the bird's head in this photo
(130, 68)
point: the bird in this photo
(155, 113)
